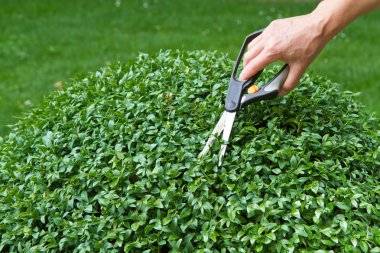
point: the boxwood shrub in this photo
(109, 164)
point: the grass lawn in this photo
(45, 41)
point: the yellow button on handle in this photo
(253, 89)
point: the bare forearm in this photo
(334, 15)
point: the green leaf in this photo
(343, 206)
(271, 236)
(259, 248)
(343, 225)
(363, 245)
(158, 203)
(88, 208)
(185, 213)
(354, 242)
(293, 161)
(300, 230)
(135, 226)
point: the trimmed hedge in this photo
(110, 164)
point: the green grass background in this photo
(45, 41)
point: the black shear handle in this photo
(247, 40)
(236, 99)
(269, 90)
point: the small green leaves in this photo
(119, 151)
(48, 139)
(109, 164)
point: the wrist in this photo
(328, 20)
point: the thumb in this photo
(295, 73)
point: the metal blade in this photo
(215, 133)
(230, 117)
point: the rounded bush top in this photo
(109, 164)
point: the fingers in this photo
(254, 41)
(252, 53)
(254, 49)
(255, 65)
(292, 80)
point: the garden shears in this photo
(237, 98)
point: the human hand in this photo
(296, 41)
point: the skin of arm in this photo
(298, 40)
